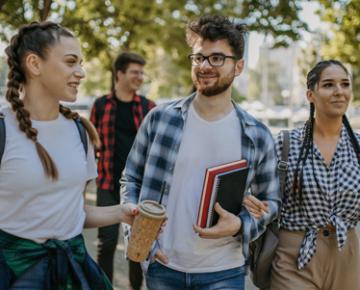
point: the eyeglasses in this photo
(215, 59)
(137, 73)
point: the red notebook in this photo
(226, 184)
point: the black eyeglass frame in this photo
(190, 57)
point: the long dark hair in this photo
(36, 38)
(307, 147)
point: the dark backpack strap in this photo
(283, 163)
(82, 133)
(144, 102)
(79, 125)
(2, 135)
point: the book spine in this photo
(200, 220)
(211, 209)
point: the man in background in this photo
(117, 117)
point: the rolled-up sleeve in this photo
(265, 186)
(132, 176)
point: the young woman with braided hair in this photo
(45, 167)
(318, 247)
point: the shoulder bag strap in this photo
(283, 163)
(145, 105)
(282, 169)
(2, 135)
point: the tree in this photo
(107, 27)
(343, 41)
(310, 55)
(254, 84)
(3, 76)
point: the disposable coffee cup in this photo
(145, 229)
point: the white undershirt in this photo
(204, 144)
(33, 206)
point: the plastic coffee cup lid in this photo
(152, 208)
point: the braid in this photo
(35, 37)
(353, 139)
(307, 144)
(312, 149)
(67, 113)
(90, 129)
(25, 124)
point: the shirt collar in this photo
(246, 120)
(111, 96)
(342, 139)
(184, 105)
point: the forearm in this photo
(254, 227)
(103, 216)
(264, 187)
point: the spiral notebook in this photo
(224, 184)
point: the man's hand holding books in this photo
(227, 225)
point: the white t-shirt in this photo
(33, 206)
(204, 144)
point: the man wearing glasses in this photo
(171, 152)
(117, 117)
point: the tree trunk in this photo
(45, 11)
(2, 3)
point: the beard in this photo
(220, 86)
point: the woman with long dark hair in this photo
(45, 167)
(318, 247)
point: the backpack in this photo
(100, 105)
(144, 102)
(262, 250)
(79, 125)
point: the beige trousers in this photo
(329, 268)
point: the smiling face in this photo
(61, 71)
(332, 93)
(132, 79)
(209, 80)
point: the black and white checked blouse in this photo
(336, 202)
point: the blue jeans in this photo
(34, 278)
(159, 277)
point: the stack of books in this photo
(224, 184)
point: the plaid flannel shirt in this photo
(70, 267)
(103, 116)
(150, 164)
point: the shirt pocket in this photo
(348, 191)
(349, 177)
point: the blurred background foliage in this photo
(156, 29)
(343, 39)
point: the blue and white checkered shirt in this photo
(150, 164)
(336, 202)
